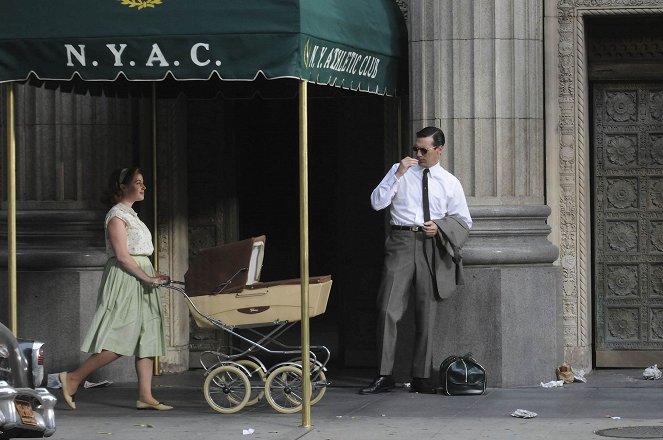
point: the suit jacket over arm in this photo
(452, 232)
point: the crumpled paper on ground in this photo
(248, 431)
(553, 384)
(54, 382)
(523, 413)
(579, 376)
(652, 373)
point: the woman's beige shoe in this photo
(159, 406)
(69, 398)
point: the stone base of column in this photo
(510, 319)
(56, 307)
(509, 312)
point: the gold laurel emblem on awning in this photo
(141, 4)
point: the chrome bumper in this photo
(43, 404)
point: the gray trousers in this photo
(405, 273)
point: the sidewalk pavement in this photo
(609, 399)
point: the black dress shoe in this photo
(381, 384)
(422, 386)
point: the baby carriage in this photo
(223, 292)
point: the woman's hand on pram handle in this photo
(160, 280)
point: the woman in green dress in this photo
(129, 317)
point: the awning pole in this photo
(303, 251)
(155, 238)
(11, 210)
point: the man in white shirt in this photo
(407, 269)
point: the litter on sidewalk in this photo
(53, 381)
(553, 384)
(524, 414)
(579, 376)
(565, 373)
(652, 373)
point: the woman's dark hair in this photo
(121, 176)
(438, 135)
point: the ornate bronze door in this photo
(628, 224)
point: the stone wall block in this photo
(531, 315)
(521, 79)
(464, 158)
(528, 19)
(424, 29)
(443, 24)
(534, 154)
(421, 73)
(25, 110)
(463, 80)
(507, 317)
(505, 90)
(463, 19)
(504, 19)
(44, 103)
(484, 19)
(82, 109)
(444, 100)
(523, 147)
(505, 161)
(486, 163)
(535, 78)
(484, 78)
(447, 126)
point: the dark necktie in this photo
(424, 196)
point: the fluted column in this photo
(477, 72)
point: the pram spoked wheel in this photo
(318, 379)
(227, 389)
(284, 389)
(257, 380)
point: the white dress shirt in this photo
(139, 238)
(445, 194)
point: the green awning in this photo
(353, 44)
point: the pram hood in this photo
(227, 268)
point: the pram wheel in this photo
(318, 379)
(227, 389)
(284, 389)
(318, 383)
(257, 380)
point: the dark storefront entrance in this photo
(243, 182)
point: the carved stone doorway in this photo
(628, 221)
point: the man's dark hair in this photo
(438, 135)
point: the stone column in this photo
(476, 71)
(172, 226)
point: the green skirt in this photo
(129, 316)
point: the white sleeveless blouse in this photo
(139, 238)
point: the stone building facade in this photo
(534, 104)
